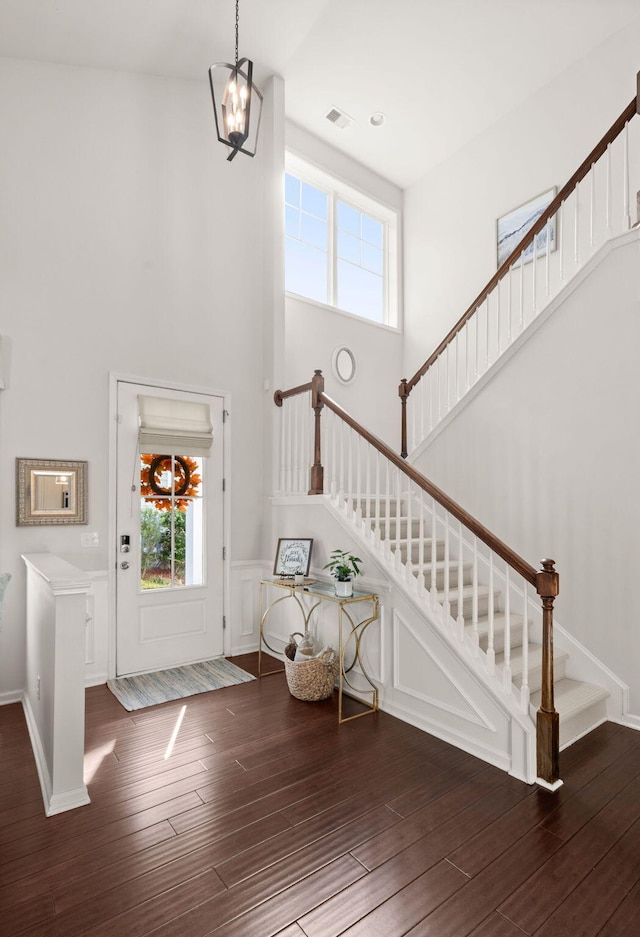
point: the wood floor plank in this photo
(37, 859)
(226, 847)
(411, 904)
(448, 807)
(497, 926)
(150, 914)
(625, 919)
(274, 914)
(92, 861)
(26, 914)
(459, 915)
(489, 844)
(388, 877)
(325, 840)
(75, 921)
(534, 902)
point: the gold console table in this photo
(349, 638)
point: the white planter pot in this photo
(344, 589)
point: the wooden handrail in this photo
(516, 562)
(552, 208)
(280, 395)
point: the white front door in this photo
(169, 550)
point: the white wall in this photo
(127, 243)
(450, 214)
(547, 456)
(313, 331)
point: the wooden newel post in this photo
(548, 720)
(403, 392)
(317, 471)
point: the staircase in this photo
(594, 206)
(581, 705)
(477, 614)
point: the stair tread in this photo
(535, 658)
(573, 696)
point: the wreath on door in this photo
(186, 480)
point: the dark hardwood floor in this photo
(270, 819)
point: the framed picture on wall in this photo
(293, 557)
(513, 226)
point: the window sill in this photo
(342, 312)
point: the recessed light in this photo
(377, 119)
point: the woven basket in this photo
(310, 680)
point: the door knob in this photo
(124, 565)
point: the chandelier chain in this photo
(237, 23)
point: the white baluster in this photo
(460, 619)
(282, 448)
(560, 238)
(341, 485)
(491, 649)
(509, 305)
(376, 532)
(367, 455)
(498, 325)
(430, 373)
(349, 491)
(524, 690)
(626, 218)
(549, 229)
(592, 203)
(289, 460)
(446, 357)
(409, 561)
(421, 581)
(387, 514)
(608, 191)
(456, 375)
(476, 371)
(434, 555)
(447, 590)
(358, 445)
(534, 278)
(521, 291)
(486, 306)
(466, 382)
(474, 598)
(576, 229)
(334, 454)
(506, 667)
(398, 522)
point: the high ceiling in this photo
(440, 70)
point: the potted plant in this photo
(344, 568)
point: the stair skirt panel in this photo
(431, 687)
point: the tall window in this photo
(340, 245)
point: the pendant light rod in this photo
(237, 27)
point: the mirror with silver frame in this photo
(50, 492)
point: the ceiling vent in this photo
(335, 116)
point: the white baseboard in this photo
(53, 803)
(13, 696)
(628, 720)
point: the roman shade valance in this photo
(174, 427)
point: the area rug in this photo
(148, 689)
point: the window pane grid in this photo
(341, 253)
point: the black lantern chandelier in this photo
(237, 103)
